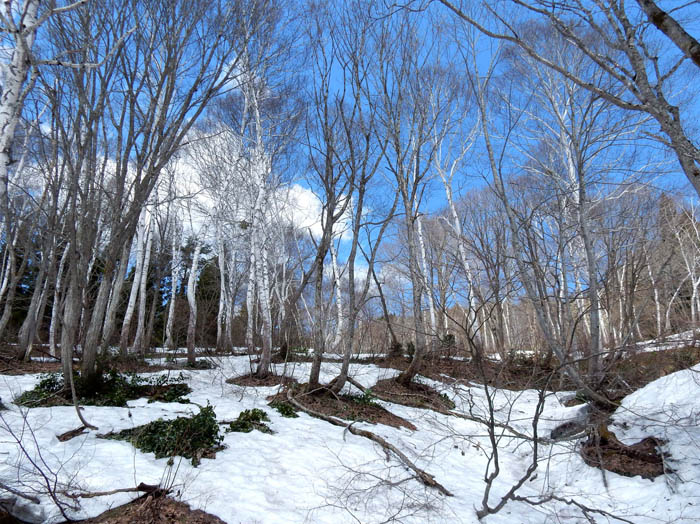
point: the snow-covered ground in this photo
(311, 471)
(675, 341)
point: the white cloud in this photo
(302, 208)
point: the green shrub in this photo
(447, 401)
(410, 349)
(284, 408)
(107, 389)
(366, 399)
(189, 437)
(448, 340)
(201, 363)
(249, 420)
(49, 385)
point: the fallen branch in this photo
(72, 433)
(150, 489)
(514, 432)
(9, 489)
(426, 478)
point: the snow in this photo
(311, 471)
(676, 341)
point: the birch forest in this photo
(501, 182)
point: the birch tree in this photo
(192, 303)
(179, 58)
(639, 77)
(404, 76)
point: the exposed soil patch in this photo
(279, 359)
(393, 362)
(249, 380)
(150, 510)
(12, 364)
(6, 518)
(347, 407)
(574, 401)
(604, 450)
(516, 374)
(632, 371)
(415, 395)
(624, 373)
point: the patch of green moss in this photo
(190, 437)
(249, 420)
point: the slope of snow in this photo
(311, 471)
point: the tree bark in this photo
(192, 301)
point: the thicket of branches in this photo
(346, 177)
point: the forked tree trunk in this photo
(135, 286)
(140, 341)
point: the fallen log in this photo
(426, 478)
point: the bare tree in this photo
(630, 62)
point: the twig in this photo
(569, 502)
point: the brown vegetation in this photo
(148, 509)
(604, 450)
(347, 407)
(249, 380)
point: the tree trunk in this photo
(56, 304)
(140, 341)
(221, 316)
(406, 376)
(115, 299)
(192, 301)
(319, 335)
(133, 294)
(27, 331)
(174, 277)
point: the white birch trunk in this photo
(174, 278)
(15, 75)
(657, 298)
(221, 316)
(265, 313)
(427, 281)
(339, 327)
(139, 339)
(192, 302)
(250, 296)
(133, 294)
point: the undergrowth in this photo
(190, 437)
(447, 401)
(366, 399)
(284, 408)
(109, 389)
(249, 420)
